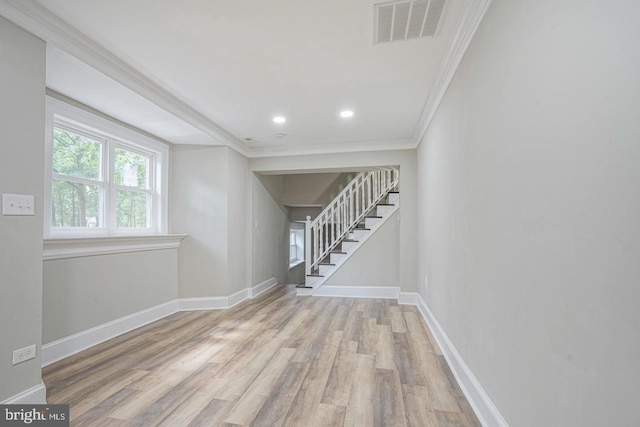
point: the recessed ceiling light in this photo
(345, 114)
(279, 119)
(281, 135)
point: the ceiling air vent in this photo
(404, 20)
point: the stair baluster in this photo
(345, 212)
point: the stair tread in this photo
(393, 192)
(350, 241)
(362, 229)
(337, 252)
(325, 263)
(303, 286)
(373, 216)
(315, 275)
(385, 204)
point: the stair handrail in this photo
(345, 212)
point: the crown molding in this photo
(340, 148)
(43, 24)
(469, 21)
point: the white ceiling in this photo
(239, 63)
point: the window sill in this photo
(76, 247)
(296, 263)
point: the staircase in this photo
(367, 202)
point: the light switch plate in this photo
(17, 204)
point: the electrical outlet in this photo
(24, 354)
(17, 204)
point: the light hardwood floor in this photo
(275, 360)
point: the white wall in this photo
(82, 293)
(375, 263)
(528, 190)
(404, 159)
(22, 74)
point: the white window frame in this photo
(293, 247)
(112, 135)
(297, 232)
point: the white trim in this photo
(478, 398)
(296, 263)
(36, 395)
(68, 346)
(358, 291)
(409, 298)
(65, 347)
(203, 303)
(112, 135)
(348, 147)
(468, 24)
(221, 303)
(39, 21)
(91, 246)
(262, 287)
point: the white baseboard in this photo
(68, 346)
(65, 347)
(36, 395)
(478, 398)
(262, 287)
(358, 291)
(203, 303)
(409, 298)
(220, 303)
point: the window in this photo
(103, 179)
(296, 246)
(293, 249)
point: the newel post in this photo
(307, 246)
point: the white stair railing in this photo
(345, 212)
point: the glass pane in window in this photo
(131, 169)
(75, 205)
(76, 155)
(132, 210)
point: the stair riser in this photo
(311, 281)
(349, 246)
(359, 234)
(369, 222)
(334, 258)
(393, 198)
(381, 210)
(325, 269)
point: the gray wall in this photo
(210, 196)
(404, 159)
(313, 188)
(238, 222)
(270, 231)
(375, 263)
(529, 200)
(82, 293)
(199, 208)
(22, 74)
